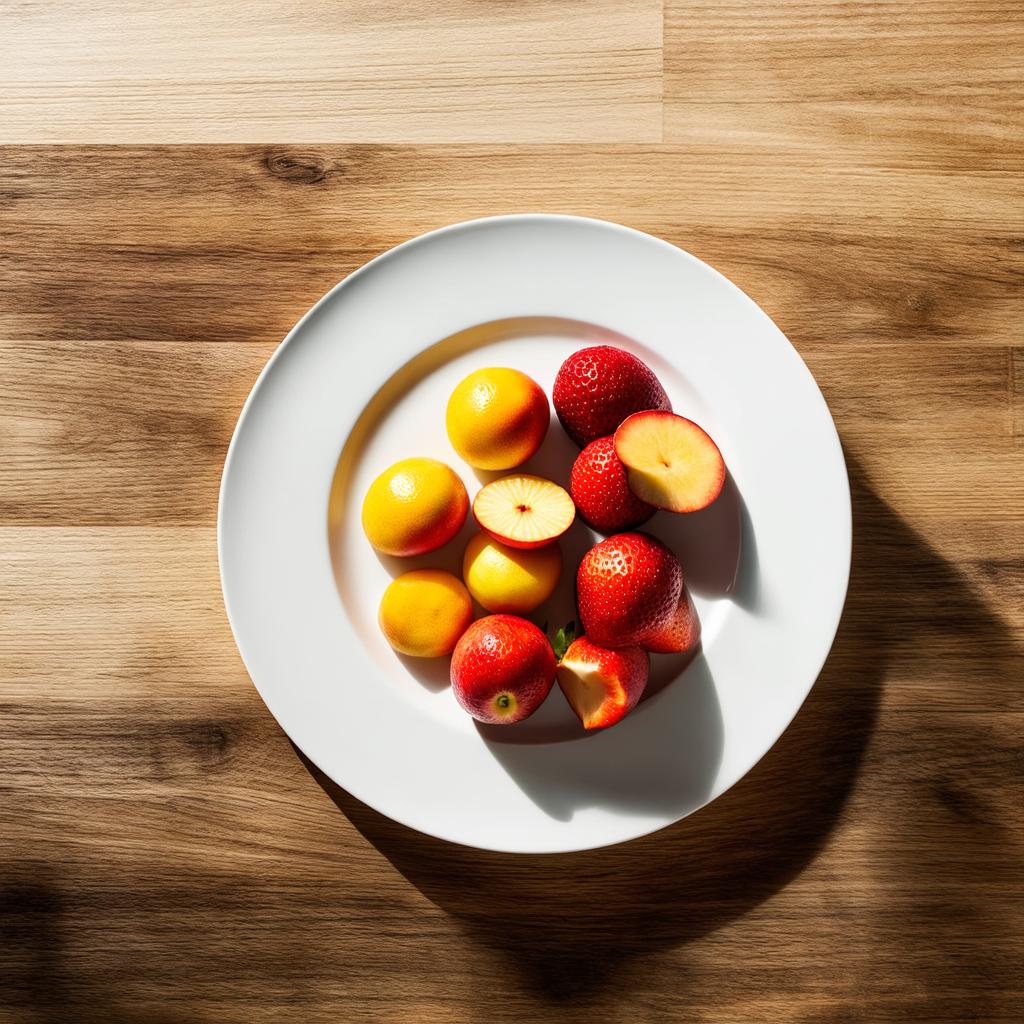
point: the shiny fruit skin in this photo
(598, 387)
(414, 506)
(601, 684)
(497, 418)
(628, 586)
(511, 580)
(502, 669)
(680, 634)
(600, 488)
(424, 612)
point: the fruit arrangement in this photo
(637, 457)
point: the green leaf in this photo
(563, 640)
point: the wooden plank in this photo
(861, 845)
(118, 432)
(133, 433)
(235, 243)
(166, 855)
(941, 620)
(1016, 370)
(114, 614)
(890, 85)
(913, 395)
(447, 71)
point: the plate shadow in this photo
(569, 923)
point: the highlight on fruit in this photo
(637, 457)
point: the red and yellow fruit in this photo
(512, 580)
(502, 669)
(424, 612)
(497, 418)
(414, 506)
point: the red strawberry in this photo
(601, 685)
(599, 487)
(628, 588)
(502, 669)
(598, 387)
(679, 634)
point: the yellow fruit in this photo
(513, 580)
(424, 612)
(497, 418)
(414, 506)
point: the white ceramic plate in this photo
(362, 381)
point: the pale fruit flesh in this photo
(602, 685)
(524, 511)
(671, 462)
(589, 693)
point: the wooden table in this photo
(181, 181)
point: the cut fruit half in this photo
(524, 511)
(671, 462)
(602, 686)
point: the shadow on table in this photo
(39, 981)
(568, 921)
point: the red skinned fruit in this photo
(680, 634)
(602, 685)
(502, 669)
(598, 387)
(628, 587)
(601, 491)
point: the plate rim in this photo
(426, 238)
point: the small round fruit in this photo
(505, 579)
(413, 507)
(497, 418)
(524, 511)
(598, 387)
(600, 488)
(502, 669)
(628, 589)
(424, 612)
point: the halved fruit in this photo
(524, 511)
(671, 462)
(602, 686)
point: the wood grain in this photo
(443, 71)
(933, 84)
(193, 243)
(118, 432)
(135, 433)
(165, 854)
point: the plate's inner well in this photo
(405, 418)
